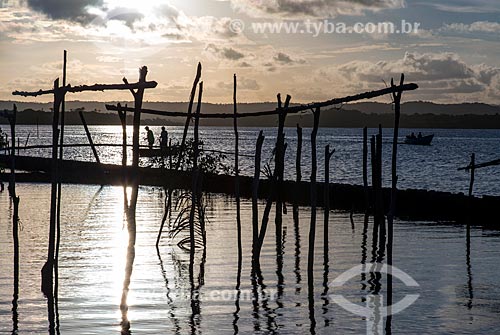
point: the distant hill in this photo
(329, 118)
(422, 107)
(408, 108)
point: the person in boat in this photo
(412, 136)
(163, 138)
(150, 137)
(419, 135)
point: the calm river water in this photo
(433, 167)
(458, 291)
(457, 281)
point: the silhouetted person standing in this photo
(163, 138)
(150, 137)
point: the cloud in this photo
(244, 84)
(467, 7)
(225, 52)
(284, 59)
(311, 8)
(475, 27)
(438, 75)
(74, 10)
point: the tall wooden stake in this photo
(298, 159)
(48, 268)
(328, 156)
(279, 170)
(472, 173)
(12, 181)
(255, 196)
(365, 167)
(237, 169)
(59, 185)
(312, 227)
(188, 116)
(392, 210)
(123, 120)
(89, 136)
(194, 186)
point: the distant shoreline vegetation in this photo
(329, 118)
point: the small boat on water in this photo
(419, 140)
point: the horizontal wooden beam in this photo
(84, 88)
(481, 165)
(289, 110)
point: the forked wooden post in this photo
(392, 209)
(279, 169)
(48, 268)
(188, 116)
(89, 136)
(255, 195)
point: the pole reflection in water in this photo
(15, 230)
(130, 216)
(259, 293)
(296, 230)
(469, 271)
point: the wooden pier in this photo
(412, 204)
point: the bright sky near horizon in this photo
(311, 49)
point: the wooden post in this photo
(89, 136)
(380, 201)
(255, 195)
(237, 183)
(12, 181)
(138, 99)
(392, 210)
(15, 217)
(365, 167)
(326, 192)
(48, 268)
(122, 114)
(279, 168)
(194, 186)
(15, 237)
(373, 159)
(188, 116)
(312, 227)
(472, 173)
(298, 159)
(59, 185)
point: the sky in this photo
(313, 50)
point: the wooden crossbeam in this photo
(289, 110)
(84, 88)
(481, 165)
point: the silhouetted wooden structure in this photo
(275, 190)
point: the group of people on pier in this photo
(151, 138)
